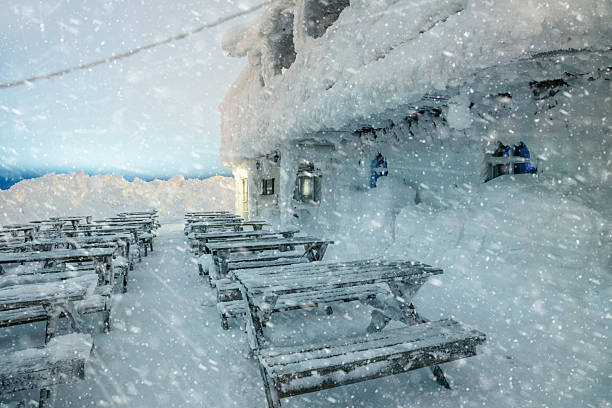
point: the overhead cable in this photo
(136, 50)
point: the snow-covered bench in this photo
(295, 370)
(61, 361)
(97, 303)
(231, 305)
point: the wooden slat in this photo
(315, 367)
(14, 297)
(303, 300)
(58, 254)
(13, 280)
(265, 245)
(285, 280)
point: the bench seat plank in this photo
(303, 300)
(297, 370)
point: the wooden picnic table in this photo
(55, 297)
(145, 224)
(204, 238)
(99, 229)
(102, 258)
(74, 220)
(322, 283)
(236, 225)
(28, 230)
(314, 249)
(121, 239)
(388, 286)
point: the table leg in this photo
(315, 252)
(254, 328)
(223, 261)
(44, 399)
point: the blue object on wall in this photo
(378, 169)
(521, 150)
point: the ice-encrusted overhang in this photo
(381, 59)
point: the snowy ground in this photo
(167, 348)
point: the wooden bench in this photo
(97, 303)
(295, 370)
(61, 361)
(314, 249)
(252, 261)
(231, 305)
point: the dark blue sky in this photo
(151, 115)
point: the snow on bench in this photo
(295, 370)
(231, 305)
(61, 361)
(257, 260)
(97, 303)
(14, 280)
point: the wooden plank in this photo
(14, 297)
(58, 254)
(316, 298)
(310, 368)
(265, 245)
(14, 280)
(309, 278)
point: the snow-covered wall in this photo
(106, 195)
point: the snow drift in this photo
(106, 195)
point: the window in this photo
(308, 184)
(509, 160)
(267, 186)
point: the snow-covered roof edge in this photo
(382, 56)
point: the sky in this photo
(154, 114)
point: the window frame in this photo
(267, 186)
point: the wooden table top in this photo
(36, 294)
(57, 254)
(239, 234)
(267, 244)
(318, 275)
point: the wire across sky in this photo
(136, 50)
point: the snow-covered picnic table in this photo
(74, 220)
(388, 286)
(28, 230)
(145, 224)
(203, 238)
(232, 224)
(314, 249)
(102, 258)
(55, 296)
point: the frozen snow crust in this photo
(106, 195)
(526, 260)
(385, 55)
